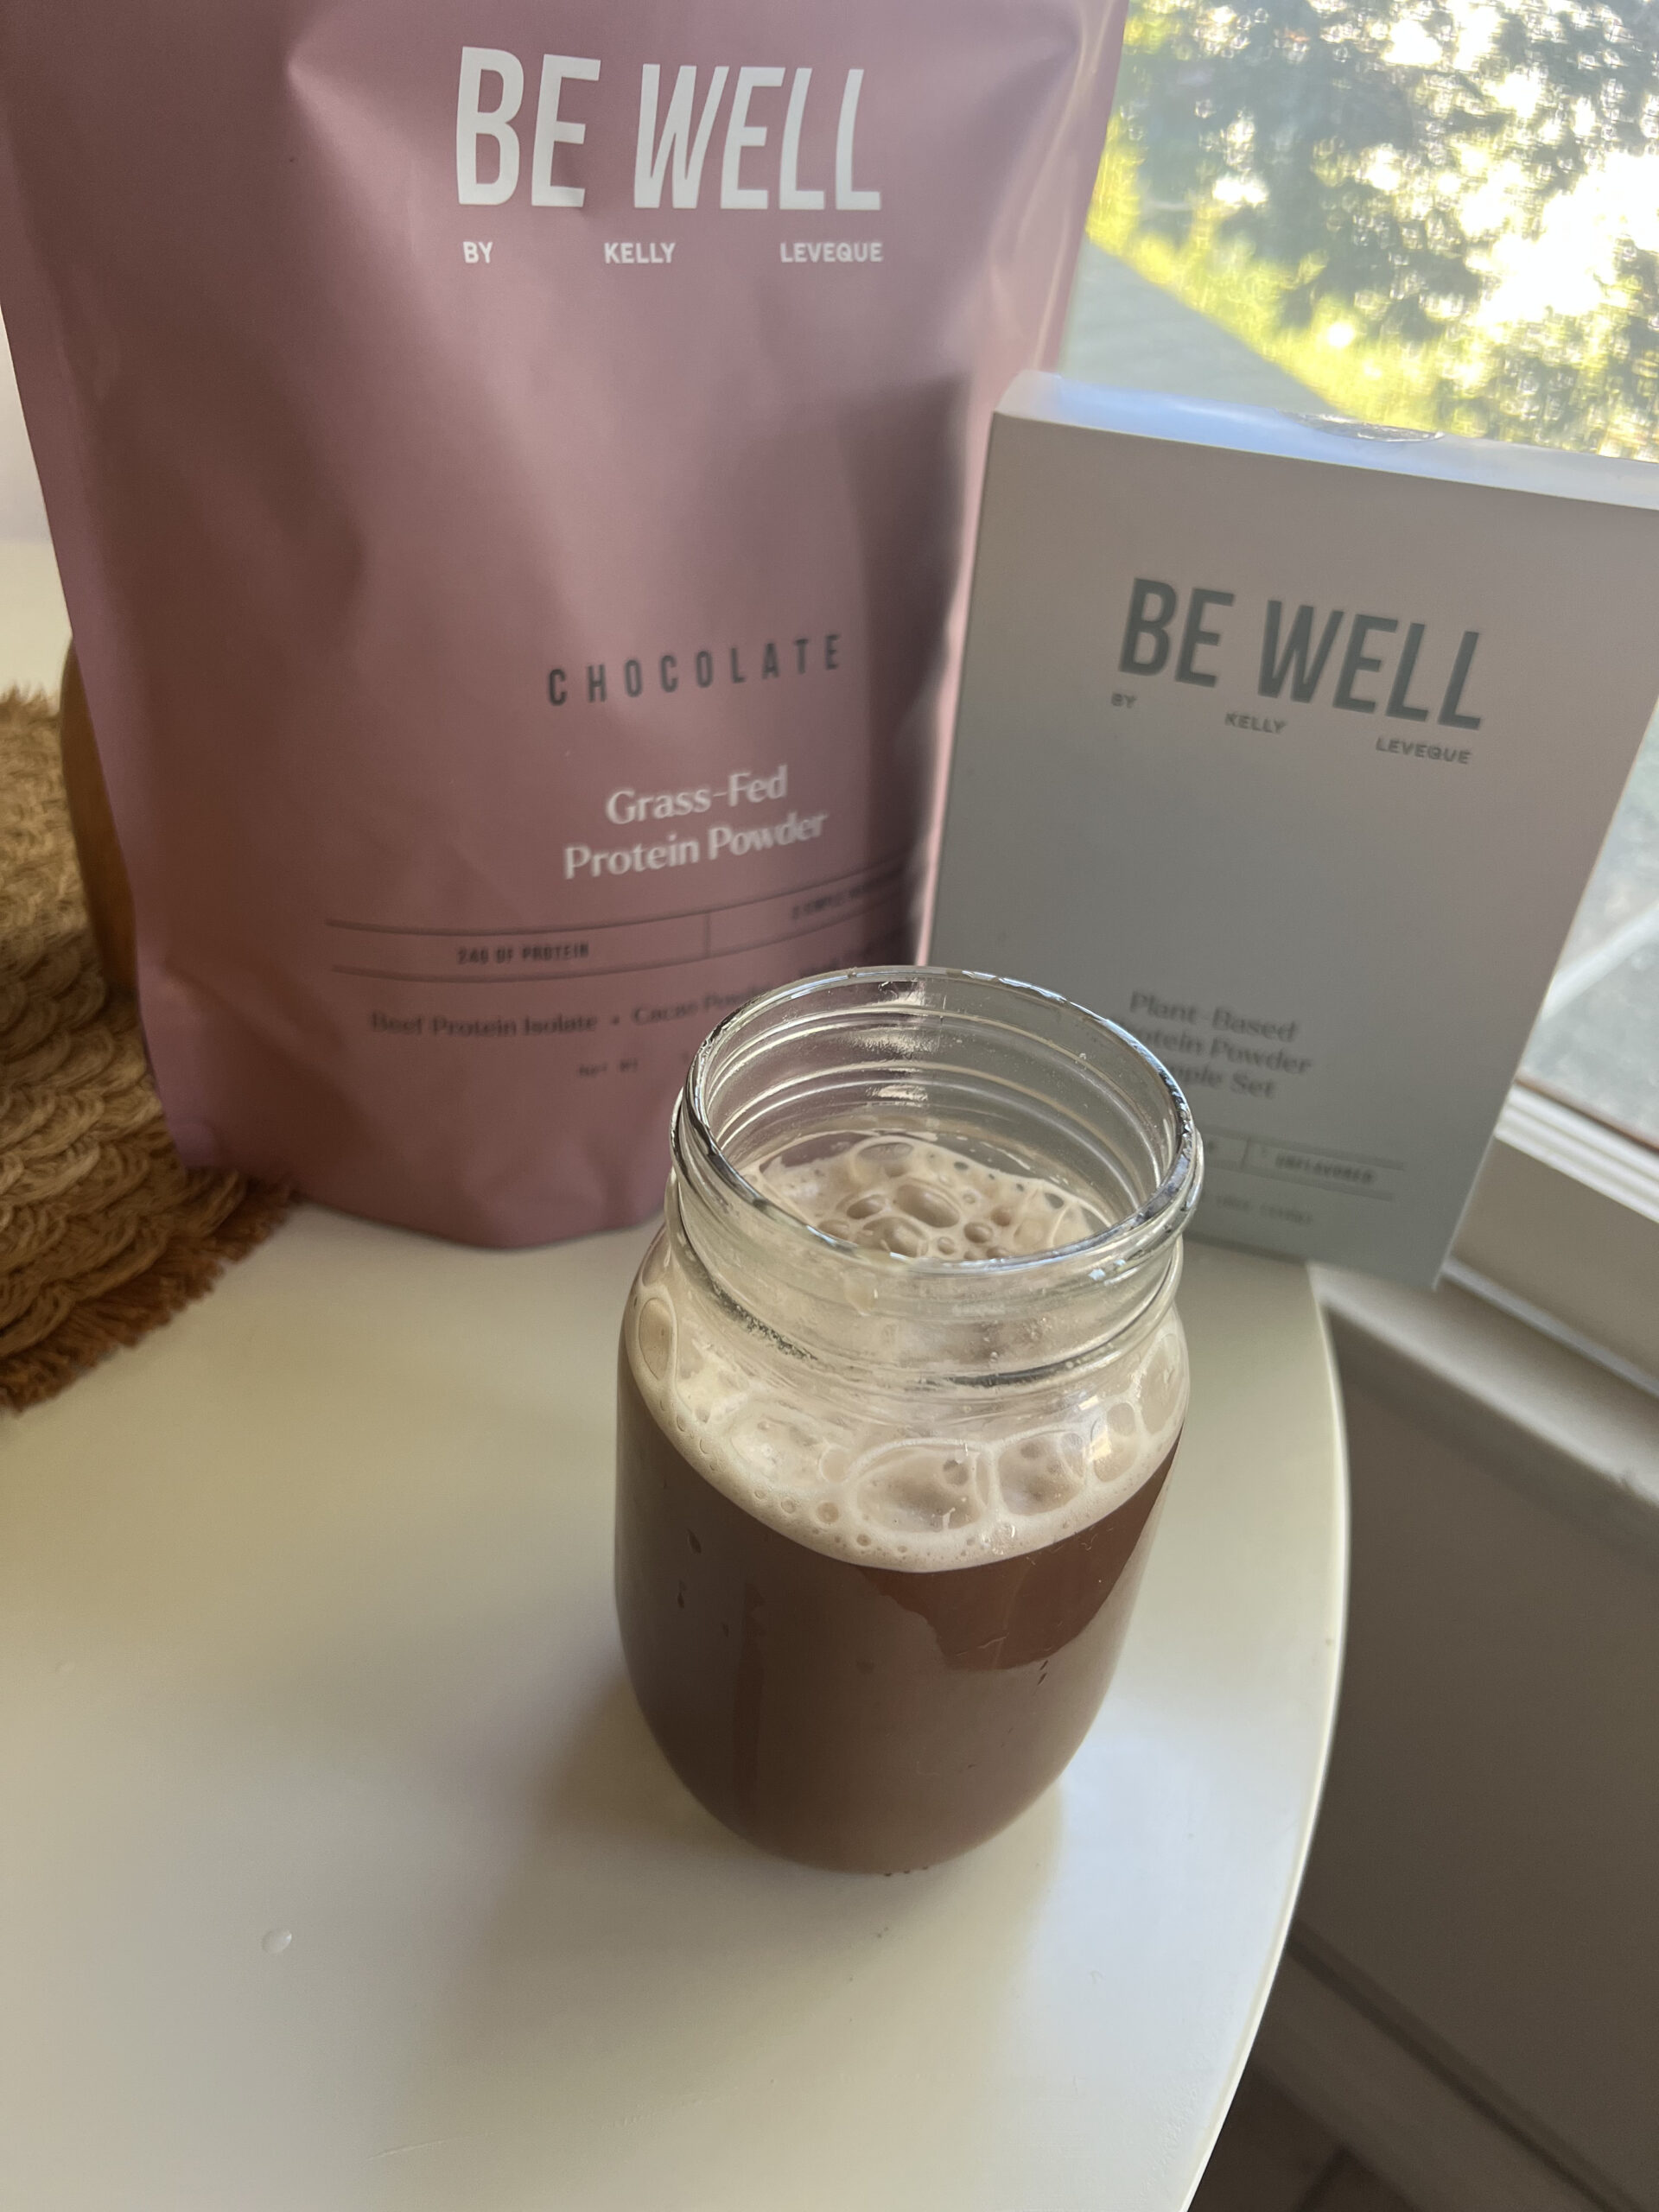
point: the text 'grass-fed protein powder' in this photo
(509, 471)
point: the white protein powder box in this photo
(1289, 743)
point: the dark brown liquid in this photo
(852, 1716)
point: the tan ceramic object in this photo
(102, 871)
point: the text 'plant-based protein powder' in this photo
(509, 475)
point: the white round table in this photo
(340, 1872)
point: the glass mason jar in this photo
(901, 1380)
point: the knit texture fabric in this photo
(104, 1234)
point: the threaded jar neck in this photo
(1014, 1077)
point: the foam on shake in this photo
(832, 1472)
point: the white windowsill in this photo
(1564, 1227)
(1579, 1437)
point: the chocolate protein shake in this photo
(892, 1426)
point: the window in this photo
(1446, 217)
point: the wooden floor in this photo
(1272, 2157)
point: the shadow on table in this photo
(612, 1782)
(655, 2005)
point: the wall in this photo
(1484, 1880)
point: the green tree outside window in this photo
(1331, 181)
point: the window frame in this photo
(1562, 1231)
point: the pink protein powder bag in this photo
(509, 471)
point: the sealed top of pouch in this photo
(1290, 743)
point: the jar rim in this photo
(1123, 1244)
